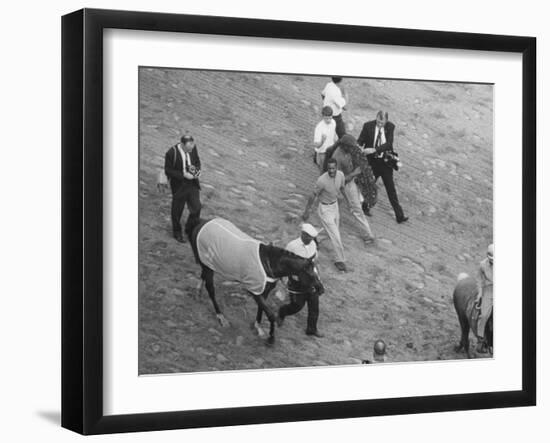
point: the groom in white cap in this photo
(304, 246)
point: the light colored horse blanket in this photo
(227, 250)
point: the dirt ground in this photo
(254, 134)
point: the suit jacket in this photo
(366, 138)
(173, 168)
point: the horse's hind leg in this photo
(198, 293)
(208, 278)
(464, 344)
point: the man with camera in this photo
(182, 166)
(377, 140)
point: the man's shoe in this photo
(315, 334)
(179, 238)
(402, 220)
(482, 348)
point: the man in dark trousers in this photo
(305, 246)
(377, 139)
(182, 166)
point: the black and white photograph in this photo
(275, 221)
(292, 220)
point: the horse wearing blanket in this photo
(219, 246)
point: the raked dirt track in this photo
(254, 134)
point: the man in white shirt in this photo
(324, 136)
(334, 96)
(305, 246)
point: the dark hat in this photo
(326, 111)
(347, 140)
(379, 347)
(187, 138)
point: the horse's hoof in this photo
(270, 341)
(259, 330)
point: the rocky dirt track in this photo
(254, 134)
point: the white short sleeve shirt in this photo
(333, 98)
(298, 247)
(327, 129)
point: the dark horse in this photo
(276, 263)
(464, 297)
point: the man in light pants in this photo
(350, 161)
(326, 190)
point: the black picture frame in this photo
(82, 219)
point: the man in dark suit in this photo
(182, 166)
(377, 138)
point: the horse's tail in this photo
(192, 228)
(191, 225)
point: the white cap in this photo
(309, 229)
(490, 251)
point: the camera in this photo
(391, 158)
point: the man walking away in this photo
(334, 96)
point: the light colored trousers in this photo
(330, 219)
(354, 199)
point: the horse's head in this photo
(309, 276)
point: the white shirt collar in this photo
(184, 156)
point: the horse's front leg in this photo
(257, 323)
(260, 301)
(208, 276)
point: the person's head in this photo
(187, 142)
(381, 118)
(490, 253)
(379, 351)
(308, 233)
(326, 112)
(332, 166)
(347, 140)
(336, 80)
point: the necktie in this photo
(378, 139)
